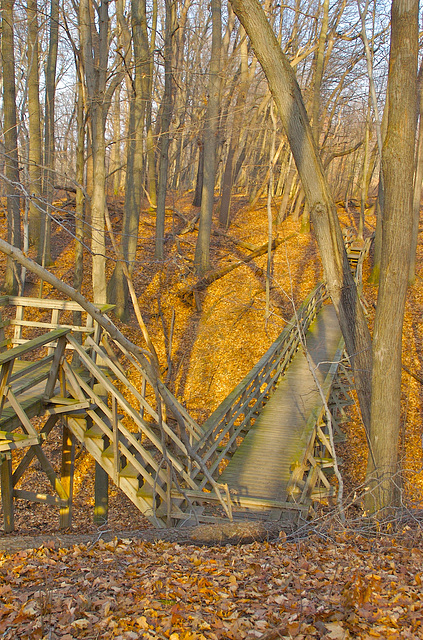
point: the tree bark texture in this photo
(398, 172)
(418, 179)
(324, 218)
(10, 140)
(165, 129)
(94, 49)
(44, 250)
(139, 91)
(34, 116)
(202, 250)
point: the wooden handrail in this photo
(270, 360)
(35, 343)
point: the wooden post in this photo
(67, 472)
(116, 455)
(169, 495)
(101, 495)
(7, 492)
(101, 482)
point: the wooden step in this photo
(68, 406)
(17, 441)
(240, 501)
(109, 452)
(129, 471)
(94, 432)
(63, 400)
(145, 492)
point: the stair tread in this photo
(129, 471)
(63, 400)
(94, 432)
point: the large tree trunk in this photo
(339, 280)
(94, 49)
(11, 283)
(202, 249)
(398, 172)
(149, 140)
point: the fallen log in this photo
(191, 292)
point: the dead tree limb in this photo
(212, 276)
(412, 374)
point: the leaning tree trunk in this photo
(339, 280)
(398, 172)
(11, 282)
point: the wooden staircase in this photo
(174, 471)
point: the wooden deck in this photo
(261, 467)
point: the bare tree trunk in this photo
(165, 133)
(289, 178)
(118, 288)
(202, 249)
(398, 171)
(11, 282)
(34, 113)
(418, 178)
(364, 179)
(115, 156)
(98, 205)
(94, 50)
(80, 198)
(44, 252)
(233, 152)
(379, 136)
(318, 71)
(324, 218)
(200, 176)
(151, 156)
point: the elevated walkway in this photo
(261, 467)
(266, 451)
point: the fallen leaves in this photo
(350, 587)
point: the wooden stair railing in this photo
(25, 386)
(234, 416)
(142, 458)
(117, 416)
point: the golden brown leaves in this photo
(335, 589)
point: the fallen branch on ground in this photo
(413, 375)
(212, 276)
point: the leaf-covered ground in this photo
(321, 586)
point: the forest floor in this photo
(329, 580)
